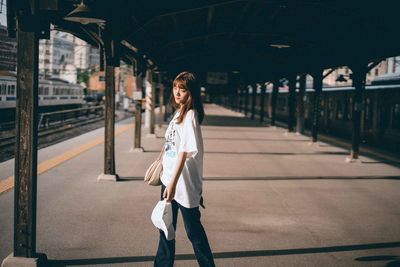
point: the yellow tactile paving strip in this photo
(8, 183)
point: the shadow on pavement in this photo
(278, 153)
(266, 153)
(230, 121)
(394, 260)
(231, 254)
(255, 139)
(280, 178)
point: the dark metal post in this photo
(138, 117)
(233, 98)
(240, 98)
(109, 153)
(161, 101)
(246, 100)
(274, 99)
(318, 78)
(292, 103)
(359, 73)
(262, 102)
(300, 105)
(253, 101)
(138, 124)
(166, 96)
(150, 101)
(25, 189)
(153, 104)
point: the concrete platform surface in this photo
(271, 200)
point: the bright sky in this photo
(3, 16)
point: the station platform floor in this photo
(271, 198)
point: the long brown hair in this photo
(188, 81)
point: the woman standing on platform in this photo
(182, 176)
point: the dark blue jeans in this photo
(194, 229)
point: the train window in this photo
(368, 114)
(349, 109)
(3, 89)
(13, 89)
(396, 117)
(46, 90)
(40, 90)
(339, 110)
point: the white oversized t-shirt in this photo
(185, 137)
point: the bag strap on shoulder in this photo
(161, 153)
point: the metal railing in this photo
(57, 118)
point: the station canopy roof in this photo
(262, 38)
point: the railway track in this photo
(54, 134)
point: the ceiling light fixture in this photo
(131, 47)
(82, 14)
(279, 46)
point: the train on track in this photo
(54, 95)
(380, 124)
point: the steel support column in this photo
(166, 96)
(240, 98)
(318, 78)
(233, 98)
(138, 117)
(161, 101)
(246, 100)
(26, 139)
(359, 73)
(292, 103)
(300, 105)
(111, 61)
(274, 99)
(150, 101)
(253, 101)
(25, 188)
(239, 95)
(262, 102)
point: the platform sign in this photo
(137, 95)
(217, 77)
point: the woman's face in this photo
(180, 94)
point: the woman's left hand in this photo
(169, 192)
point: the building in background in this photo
(125, 82)
(86, 61)
(67, 57)
(387, 70)
(56, 57)
(8, 51)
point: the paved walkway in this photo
(272, 200)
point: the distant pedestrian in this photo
(182, 177)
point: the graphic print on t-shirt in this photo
(170, 147)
